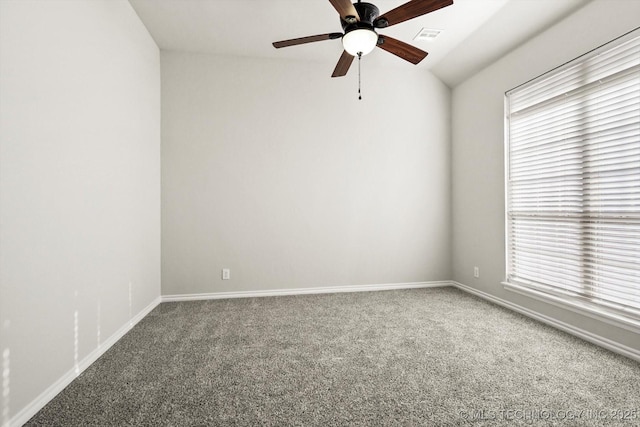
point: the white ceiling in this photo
(476, 32)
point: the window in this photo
(573, 183)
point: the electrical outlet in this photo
(476, 272)
(226, 274)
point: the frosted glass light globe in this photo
(361, 40)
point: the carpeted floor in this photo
(409, 357)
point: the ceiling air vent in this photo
(428, 34)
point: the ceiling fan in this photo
(359, 23)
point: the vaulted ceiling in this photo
(474, 32)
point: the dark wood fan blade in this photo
(343, 65)
(410, 10)
(345, 8)
(309, 39)
(401, 49)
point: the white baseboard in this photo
(573, 330)
(45, 397)
(304, 291)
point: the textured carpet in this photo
(409, 357)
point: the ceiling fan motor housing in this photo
(368, 13)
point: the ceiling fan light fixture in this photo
(359, 21)
(359, 40)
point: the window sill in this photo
(602, 315)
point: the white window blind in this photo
(573, 181)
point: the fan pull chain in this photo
(359, 92)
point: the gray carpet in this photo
(409, 357)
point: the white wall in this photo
(478, 159)
(79, 186)
(278, 172)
